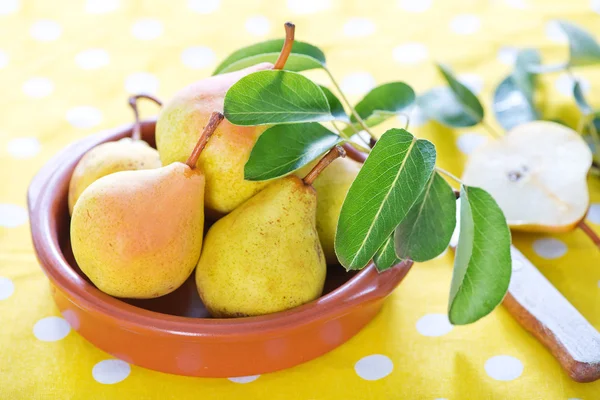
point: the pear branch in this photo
(137, 126)
(287, 45)
(589, 232)
(209, 129)
(337, 151)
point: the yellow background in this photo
(450, 366)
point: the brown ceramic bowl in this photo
(174, 333)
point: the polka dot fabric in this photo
(66, 69)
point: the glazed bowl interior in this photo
(183, 302)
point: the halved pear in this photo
(537, 174)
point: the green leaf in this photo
(522, 76)
(272, 97)
(386, 256)
(441, 105)
(482, 265)
(384, 101)
(582, 103)
(427, 228)
(455, 106)
(387, 186)
(282, 149)
(335, 105)
(303, 57)
(583, 47)
(511, 106)
(514, 96)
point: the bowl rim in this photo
(367, 285)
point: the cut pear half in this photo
(537, 174)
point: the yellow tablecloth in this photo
(66, 68)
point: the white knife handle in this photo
(542, 310)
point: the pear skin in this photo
(265, 256)
(107, 158)
(138, 234)
(179, 125)
(332, 186)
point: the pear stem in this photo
(589, 232)
(337, 151)
(209, 129)
(287, 46)
(137, 126)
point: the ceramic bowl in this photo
(174, 333)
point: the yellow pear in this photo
(332, 186)
(537, 174)
(138, 234)
(182, 119)
(265, 256)
(127, 154)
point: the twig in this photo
(589, 232)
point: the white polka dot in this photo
(564, 84)
(101, 6)
(434, 325)
(198, 57)
(416, 115)
(473, 81)
(45, 30)
(574, 398)
(594, 213)
(503, 368)
(410, 53)
(111, 371)
(358, 83)
(374, 367)
(147, 29)
(12, 215)
(549, 248)
(595, 6)
(258, 25)
(308, 6)
(9, 6)
(7, 288)
(51, 329)
(92, 58)
(204, 6)
(3, 59)
(23, 147)
(555, 33)
(244, 379)
(141, 82)
(465, 24)
(467, 142)
(38, 87)
(416, 6)
(84, 116)
(358, 27)
(519, 4)
(507, 55)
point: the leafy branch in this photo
(398, 206)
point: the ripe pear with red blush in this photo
(138, 234)
(228, 151)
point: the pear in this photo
(265, 256)
(127, 154)
(537, 174)
(332, 186)
(224, 158)
(138, 234)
